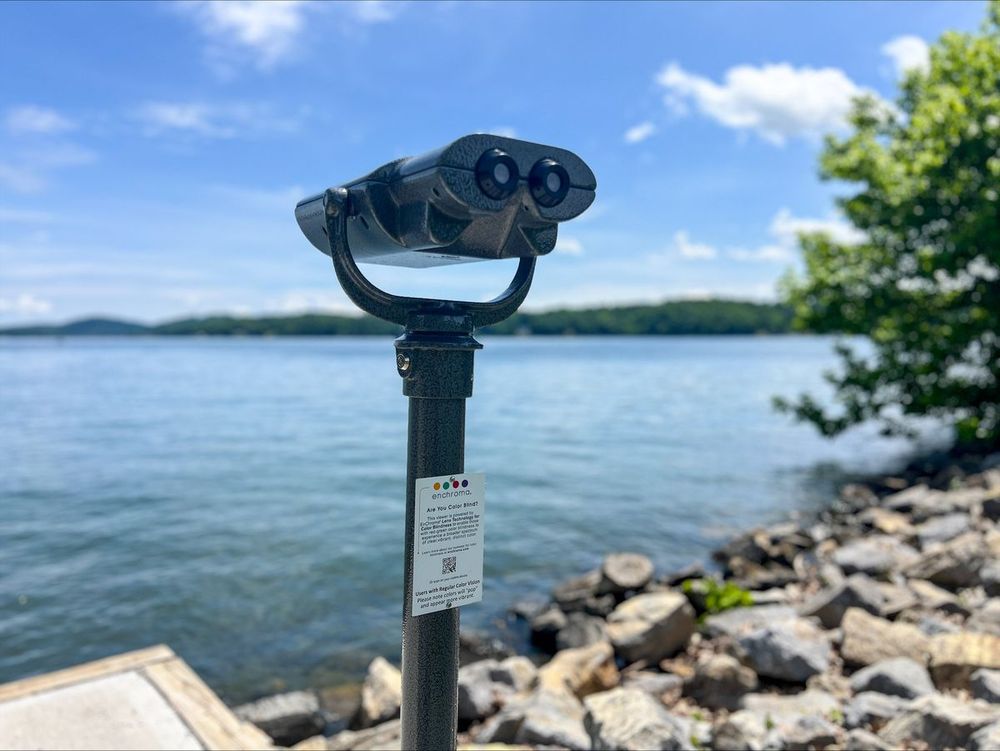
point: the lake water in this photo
(241, 499)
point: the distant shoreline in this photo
(674, 318)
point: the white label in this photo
(448, 542)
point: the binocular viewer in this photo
(479, 198)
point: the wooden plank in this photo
(88, 671)
(211, 720)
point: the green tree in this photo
(923, 286)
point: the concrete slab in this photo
(149, 699)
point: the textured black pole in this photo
(437, 377)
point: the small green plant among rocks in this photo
(711, 596)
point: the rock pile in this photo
(874, 626)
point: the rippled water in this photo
(241, 499)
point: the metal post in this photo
(437, 377)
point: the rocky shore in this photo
(874, 625)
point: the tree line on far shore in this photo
(680, 317)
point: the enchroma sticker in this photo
(448, 542)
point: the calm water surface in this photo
(241, 499)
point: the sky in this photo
(151, 154)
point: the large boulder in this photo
(939, 721)
(287, 718)
(952, 564)
(856, 591)
(478, 694)
(545, 627)
(791, 651)
(651, 626)
(517, 672)
(955, 657)
(942, 528)
(932, 597)
(733, 623)
(581, 671)
(985, 685)
(581, 630)
(624, 572)
(871, 709)
(381, 694)
(868, 639)
(774, 721)
(897, 676)
(629, 719)
(660, 685)
(574, 594)
(720, 681)
(877, 555)
(542, 718)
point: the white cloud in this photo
(24, 304)
(569, 245)
(775, 101)
(266, 30)
(640, 132)
(32, 119)
(233, 120)
(907, 53)
(785, 229)
(690, 249)
(29, 171)
(374, 11)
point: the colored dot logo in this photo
(465, 483)
(437, 486)
(453, 483)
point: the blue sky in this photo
(151, 154)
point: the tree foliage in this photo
(923, 286)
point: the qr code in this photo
(449, 564)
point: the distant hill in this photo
(680, 317)
(85, 327)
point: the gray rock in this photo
(917, 498)
(986, 685)
(743, 620)
(651, 626)
(809, 731)
(719, 682)
(986, 739)
(381, 694)
(897, 676)
(581, 671)
(754, 576)
(545, 628)
(692, 571)
(384, 737)
(952, 564)
(478, 695)
(287, 718)
(527, 608)
(943, 528)
(580, 630)
(542, 718)
(741, 731)
(986, 619)
(862, 740)
(896, 599)
(655, 684)
(574, 593)
(871, 708)
(624, 572)
(626, 718)
(857, 591)
(775, 596)
(478, 645)
(933, 597)
(517, 672)
(868, 639)
(939, 721)
(790, 651)
(876, 555)
(989, 577)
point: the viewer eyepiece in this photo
(549, 182)
(496, 174)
